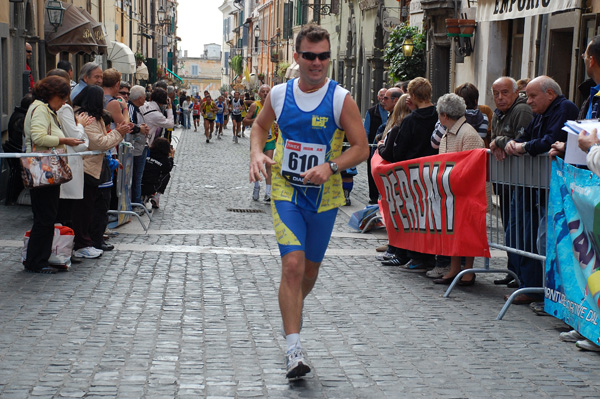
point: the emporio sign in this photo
(498, 10)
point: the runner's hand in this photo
(318, 174)
(257, 167)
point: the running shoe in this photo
(296, 364)
(88, 253)
(385, 256)
(438, 271)
(571, 336)
(414, 267)
(256, 192)
(584, 344)
(267, 198)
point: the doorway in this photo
(560, 53)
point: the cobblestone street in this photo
(189, 310)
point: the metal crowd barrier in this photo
(124, 179)
(525, 180)
(123, 188)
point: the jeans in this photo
(522, 234)
(187, 120)
(138, 171)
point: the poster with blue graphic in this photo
(573, 249)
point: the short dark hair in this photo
(125, 84)
(159, 96)
(50, 87)
(161, 84)
(59, 72)
(64, 65)
(161, 145)
(469, 93)
(593, 49)
(313, 33)
(90, 100)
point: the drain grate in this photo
(240, 210)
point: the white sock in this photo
(268, 189)
(256, 184)
(293, 341)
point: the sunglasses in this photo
(29, 51)
(124, 93)
(308, 55)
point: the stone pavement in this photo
(190, 310)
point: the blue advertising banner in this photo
(573, 249)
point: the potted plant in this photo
(139, 58)
(261, 77)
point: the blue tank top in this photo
(307, 139)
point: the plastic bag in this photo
(62, 246)
(366, 219)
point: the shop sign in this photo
(390, 23)
(499, 10)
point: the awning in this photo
(75, 35)
(174, 75)
(293, 71)
(498, 10)
(121, 57)
(141, 73)
(97, 31)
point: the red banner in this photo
(436, 204)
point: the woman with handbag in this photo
(42, 133)
(91, 101)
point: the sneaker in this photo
(88, 253)
(235, 139)
(296, 364)
(256, 193)
(571, 336)
(584, 344)
(267, 198)
(394, 262)
(385, 256)
(438, 271)
(111, 233)
(154, 202)
(414, 267)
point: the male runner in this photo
(269, 148)
(312, 113)
(208, 113)
(237, 104)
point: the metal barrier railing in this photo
(127, 212)
(524, 181)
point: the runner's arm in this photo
(351, 123)
(249, 119)
(258, 139)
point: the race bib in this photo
(210, 115)
(298, 158)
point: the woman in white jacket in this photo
(73, 127)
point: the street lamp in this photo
(407, 46)
(256, 32)
(56, 12)
(162, 14)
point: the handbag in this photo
(45, 171)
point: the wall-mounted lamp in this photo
(56, 12)
(462, 30)
(408, 46)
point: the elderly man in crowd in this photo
(137, 137)
(511, 117)
(551, 110)
(90, 74)
(374, 117)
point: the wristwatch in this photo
(334, 167)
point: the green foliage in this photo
(405, 68)
(237, 64)
(282, 69)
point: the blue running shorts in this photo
(219, 118)
(298, 229)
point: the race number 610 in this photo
(306, 161)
